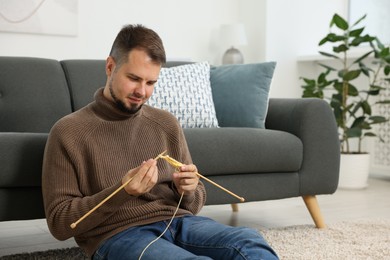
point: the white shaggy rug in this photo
(362, 239)
(354, 240)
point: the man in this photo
(94, 151)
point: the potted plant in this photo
(352, 86)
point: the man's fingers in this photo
(144, 169)
(144, 177)
(188, 168)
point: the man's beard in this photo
(133, 109)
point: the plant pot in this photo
(354, 171)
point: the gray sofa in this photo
(297, 155)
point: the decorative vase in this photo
(354, 171)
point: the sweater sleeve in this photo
(196, 201)
(64, 202)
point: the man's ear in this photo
(110, 65)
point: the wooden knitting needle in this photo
(177, 164)
(73, 225)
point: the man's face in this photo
(131, 84)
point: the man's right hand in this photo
(144, 178)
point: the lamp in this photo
(233, 35)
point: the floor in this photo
(372, 202)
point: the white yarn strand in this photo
(169, 224)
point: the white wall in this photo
(294, 29)
(185, 27)
(252, 13)
(277, 30)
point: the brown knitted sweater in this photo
(87, 154)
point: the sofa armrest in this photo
(21, 170)
(312, 121)
(21, 157)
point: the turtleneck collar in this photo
(108, 110)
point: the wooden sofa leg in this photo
(314, 209)
(234, 207)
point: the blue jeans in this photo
(189, 237)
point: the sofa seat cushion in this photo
(21, 156)
(229, 150)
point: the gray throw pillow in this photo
(240, 93)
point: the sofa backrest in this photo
(36, 92)
(84, 77)
(33, 94)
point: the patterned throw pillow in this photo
(185, 91)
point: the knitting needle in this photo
(222, 188)
(177, 164)
(73, 225)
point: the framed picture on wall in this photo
(52, 17)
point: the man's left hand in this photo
(186, 180)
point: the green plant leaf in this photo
(352, 90)
(350, 75)
(362, 39)
(341, 73)
(327, 83)
(336, 99)
(310, 93)
(384, 52)
(309, 82)
(370, 134)
(339, 22)
(338, 86)
(338, 116)
(329, 55)
(366, 107)
(356, 108)
(377, 119)
(349, 107)
(376, 87)
(356, 32)
(369, 38)
(373, 92)
(358, 122)
(363, 57)
(335, 103)
(332, 37)
(322, 81)
(354, 132)
(387, 70)
(327, 67)
(379, 43)
(366, 126)
(366, 70)
(383, 102)
(340, 48)
(357, 41)
(323, 40)
(359, 20)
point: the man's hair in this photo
(137, 37)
